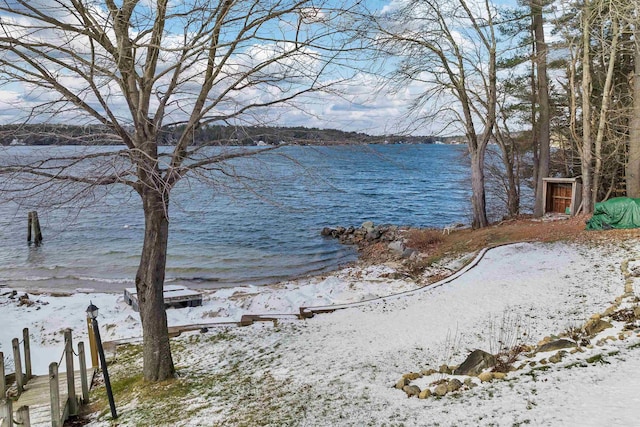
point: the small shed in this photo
(562, 195)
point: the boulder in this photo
(557, 358)
(596, 326)
(412, 376)
(424, 394)
(397, 247)
(367, 226)
(441, 390)
(326, 232)
(485, 377)
(445, 369)
(476, 362)
(454, 385)
(498, 375)
(411, 390)
(556, 345)
(373, 235)
(402, 383)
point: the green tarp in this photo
(619, 212)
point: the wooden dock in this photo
(37, 396)
(43, 400)
(174, 296)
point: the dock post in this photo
(3, 383)
(17, 361)
(55, 395)
(71, 383)
(22, 417)
(27, 354)
(6, 411)
(83, 373)
(93, 347)
(29, 226)
(33, 228)
(37, 232)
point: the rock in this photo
(402, 383)
(326, 232)
(441, 390)
(454, 385)
(411, 390)
(444, 369)
(476, 362)
(597, 326)
(427, 372)
(412, 376)
(424, 394)
(367, 226)
(408, 253)
(373, 235)
(556, 345)
(469, 383)
(636, 312)
(24, 300)
(485, 376)
(557, 358)
(397, 247)
(498, 375)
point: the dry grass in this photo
(424, 239)
(521, 230)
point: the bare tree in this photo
(136, 67)
(450, 49)
(542, 100)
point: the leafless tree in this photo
(136, 67)
(450, 48)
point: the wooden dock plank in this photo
(174, 296)
(37, 397)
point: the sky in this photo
(364, 102)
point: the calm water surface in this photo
(258, 231)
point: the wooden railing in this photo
(60, 409)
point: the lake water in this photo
(248, 232)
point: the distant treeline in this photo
(47, 134)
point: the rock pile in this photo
(391, 237)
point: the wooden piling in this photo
(6, 412)
(22, 417)
(71, 386)
(17, 361)
(3, 383)
(27, 354)
(55, 395)
(33, 228)
(29, 226)
(37, 232)
(83, 373)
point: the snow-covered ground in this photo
(339, 369)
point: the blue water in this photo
(253, 231)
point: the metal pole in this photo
(105, 372)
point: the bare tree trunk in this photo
(158, 364)
(478, 198)
(633, 160)
(604, 109)
(543, 129)
(587, 155)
